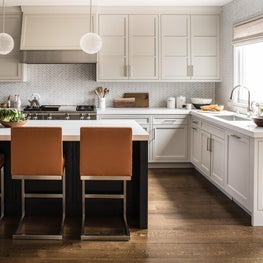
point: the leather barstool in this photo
(37, 154)
(105, 154)
(2, 194)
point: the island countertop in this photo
(71, 128)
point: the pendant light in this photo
(91, 42)
(6, 41)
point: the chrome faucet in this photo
(248, 100)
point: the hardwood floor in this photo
(189, 221)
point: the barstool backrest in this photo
(36, 151)
(105, 151)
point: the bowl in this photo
(258, 121)
(201, 101)
(12, 124)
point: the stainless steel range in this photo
(57, 112)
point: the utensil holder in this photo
(102, 103)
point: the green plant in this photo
(12, 115)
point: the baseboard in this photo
(170, 165)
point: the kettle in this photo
(34, 102)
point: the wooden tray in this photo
(141, 99)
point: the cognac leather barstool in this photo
(2, 194)
(37, 154)
(105, 154)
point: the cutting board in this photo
(141, 99)
(124, 102)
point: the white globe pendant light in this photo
(6, 41)
(91, 43)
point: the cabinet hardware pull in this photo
(210, 145)
(194, 128)
(235, 136)
(195, 122)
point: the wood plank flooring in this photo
(189, 221)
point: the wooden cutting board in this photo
(141, 99)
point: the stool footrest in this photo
(105, 196)
(35, 195)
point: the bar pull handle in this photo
(235, 136)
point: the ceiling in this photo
(121, 2)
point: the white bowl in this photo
(201, 101)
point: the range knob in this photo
(49, 117)
(67, 116)
(82, 116)
(88, 117)
(35, 117)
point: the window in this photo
(248, 72)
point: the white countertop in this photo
(71, 128)
(140, 111)
(248, 128)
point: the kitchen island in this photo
(137, 191)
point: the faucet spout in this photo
(248, 99)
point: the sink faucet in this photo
(248, 100)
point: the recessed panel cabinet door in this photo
(175, 46)
(205, 47)
(196, 146)
(170, 144)
(238, 179)
(143, 47)
(113, 56)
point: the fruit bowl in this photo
(258, 121)
(12, 124)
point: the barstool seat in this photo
(2, 194)
(105, 154)
(36, 154)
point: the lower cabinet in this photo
(208, 150)
(170, 139)
(238, 174)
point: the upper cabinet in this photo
(130, 47)
(190, 47)
(11, 68)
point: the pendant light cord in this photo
(90, 12)
(3, 16)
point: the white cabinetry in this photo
(238, 174)
(10, 67)
(208, 150)
(170, 143)
(190, 47)
(130, 47)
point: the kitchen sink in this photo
(232, 118)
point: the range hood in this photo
(56, 57)
(52, 35)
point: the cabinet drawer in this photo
(140, 120)
(169, 121)
(196, 122)
(213, 130)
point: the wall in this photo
(232, 13)
(71, 84)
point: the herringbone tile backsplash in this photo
(71, 84)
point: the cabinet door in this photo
(205, 47)
(217, 159)
(175, 46)
(170, 143)
(196, 146)
(205, 152)
(10, 67)
(113, 56)
(143, 47)
(238, 182)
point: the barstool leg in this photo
(83, 211)
(63, 203)
(2, 193)
(125, 210)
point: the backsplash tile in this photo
(71, 84)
